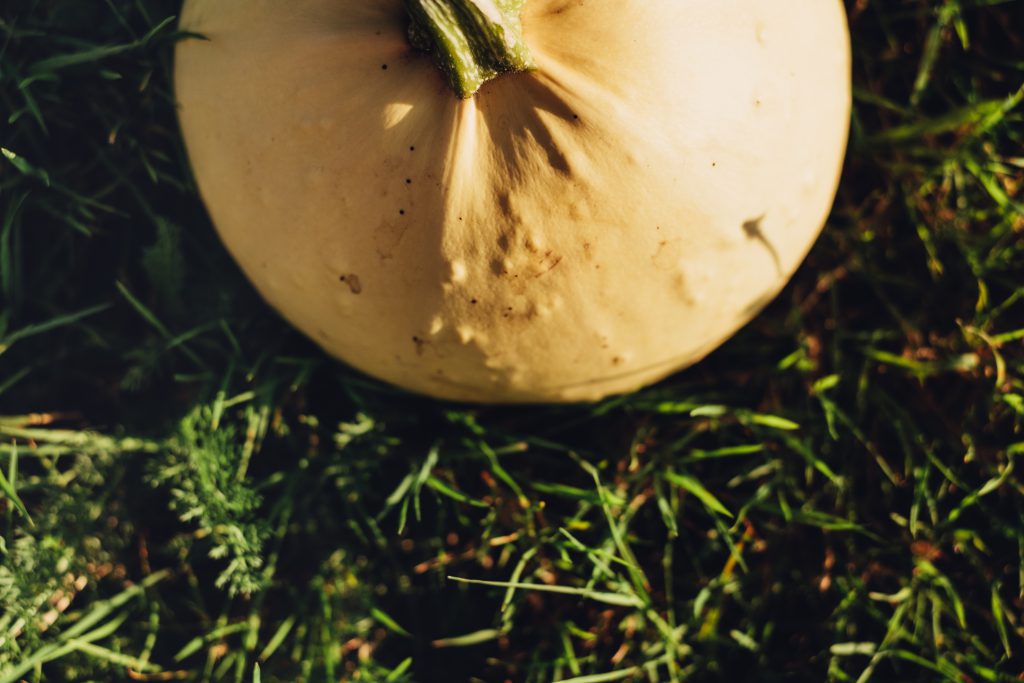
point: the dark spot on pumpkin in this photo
(412, 148)
(551, 266)
(680, 289)
(752, 229)
(618, 360)
(473, 301)
(408, 181)
(419, 345)
(352, 280)
(383, 67)
(401, 212)
(714, 163)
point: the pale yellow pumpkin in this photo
(580, 229)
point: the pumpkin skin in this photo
(567, 233)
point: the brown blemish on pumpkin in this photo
(553, 265)
(353, 282)
(680, 289)
(522, 255)
(498, 267)
(668, 254)
(752, 229)
(420, 344)
(588, 251)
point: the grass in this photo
(191, 491)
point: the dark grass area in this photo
(832, 495)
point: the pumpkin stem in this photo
(472, 41)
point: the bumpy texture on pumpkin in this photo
(570, 232)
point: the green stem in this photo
(472, 41)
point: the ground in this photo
(192, 491)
